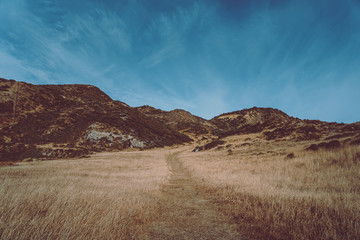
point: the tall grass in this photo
(119, 195)
(311, 196)
(109, 196)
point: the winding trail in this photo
(186, 213)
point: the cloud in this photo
(168, 33)
(297, 46)
(95, 31)
(205, 56)
(161, 54)
(13, 68)
(78, 47)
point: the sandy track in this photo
(185, 211)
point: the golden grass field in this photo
(107, 196)
(310, 196)
(168, 194)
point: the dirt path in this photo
(186, 213)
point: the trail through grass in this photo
(186, 213)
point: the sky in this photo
(204, 56)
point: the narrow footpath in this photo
(186, 213)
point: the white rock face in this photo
(136, 143)
(95, 136)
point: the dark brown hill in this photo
(180, 120)
(275, 124)
(60, 121)
(250, 121)
(76, 118)
(272, 124)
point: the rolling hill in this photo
(64, 121)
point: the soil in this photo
(186, 211)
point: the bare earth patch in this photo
(186, 213)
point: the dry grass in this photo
(310, 196)
(124, 195)
(107, 196)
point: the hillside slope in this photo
(61, 121)
(68, 120)
(272, 125)
(180, 120)
(275, 124)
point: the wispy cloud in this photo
(205, 56)
(76, 47)
(299, 47)
(169, 33)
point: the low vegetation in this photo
(306, 196)
(283, 192)
(107, 196)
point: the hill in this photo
(275, 124)
(269, 124)
(62, 121)
(58, 121)
(180, 120)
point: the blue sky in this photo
(206, 56)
